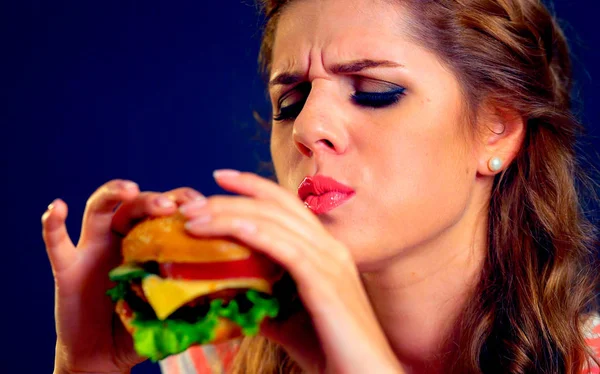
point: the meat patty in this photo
(198, 307)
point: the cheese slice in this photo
(167, 295)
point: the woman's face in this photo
(364, 105)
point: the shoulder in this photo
(591, 331)
(206, 359)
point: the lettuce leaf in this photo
(118, 292)
(127, 272)
(157, 339)
(122, 275)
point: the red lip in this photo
(322, 194)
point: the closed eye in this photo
(361, 98)
(291, 103)
(378, 99)
(290, 111)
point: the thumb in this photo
(59, 246)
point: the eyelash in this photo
(365, 99)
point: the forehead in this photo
(340, 30)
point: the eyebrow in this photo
(344, 68)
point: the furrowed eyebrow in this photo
(359, 65)
(285, 79)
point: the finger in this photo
(151, 204)
(248, 207)
(184, 195)
(250, 184)
(304, 263)
(317, 271)
(146, 204)
(99, 210)
(59, 246)
(317, 275)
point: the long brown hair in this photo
(538, 282)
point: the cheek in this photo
(430, 168)
(421, 182)
(420, 152)
(282, 155)
(437, 148)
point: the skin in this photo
(417, 225)
(89, 337)
(394, 264)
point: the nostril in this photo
(304, 149)
(327, 143)
(308, 151)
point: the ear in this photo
(502, 132)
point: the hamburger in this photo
(174, 290)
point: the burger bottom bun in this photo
(224, 331)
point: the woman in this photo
(459, 244)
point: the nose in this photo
(321, 126)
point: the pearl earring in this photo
(495, 164)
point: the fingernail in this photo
(164, 202)
(198, 221)
(225, 173)
(194, 195)
(123, 186)
(193, 205)
(48, 211)
(45, 216)
(129, 185)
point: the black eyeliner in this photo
(377, 99)
(365, 99)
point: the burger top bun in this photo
(164, 239)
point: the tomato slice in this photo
(255, 266)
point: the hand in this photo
(338, 331)
(90, 338)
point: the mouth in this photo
(322, 194)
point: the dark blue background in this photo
(158, 92)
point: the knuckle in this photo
(187, 191)
(152, 199)
(345, 257)
(291, 254)
(268, 205)
(215, 204)
(176, 191)
(183, 193)
(147, 196)
(246, 227)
